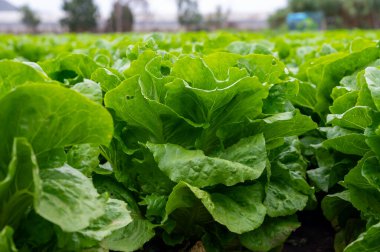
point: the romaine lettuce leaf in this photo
(271, 234)
(241, 162)
(6, 240)
(54, 117)
(239, 208)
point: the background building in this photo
(148, 15)
(10, 18)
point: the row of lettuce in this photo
(174, 141)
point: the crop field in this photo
(189, 142)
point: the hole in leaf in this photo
(62, 75)
(165, 70)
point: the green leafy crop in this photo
(164, 141)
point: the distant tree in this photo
(81, 15)
(218, 19)
(30, 18)
(278, 19)
(352, 13)
(342, 13)
(361, 13)
(332, 9)
(303, 5)
(188, 14)
(122, 17)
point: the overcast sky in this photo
(165, 7)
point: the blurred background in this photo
(57, 16)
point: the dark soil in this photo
(314, 235)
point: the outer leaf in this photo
(344, 102)
(116, 216)
(54, 117)
(19, 186)
(285, 125)
(239, 208)
(349, 144)
(53, 158)
(222, 68)
(147, 120)
(90, 89)
(371, 172)
(355, 118)
(13, 74)
(68, 199)
(6, 240)
(105, 184)
(266, 67)
(363, 195)
(155, 205)
(327, 71)
(372, 77)
(282, 199)
(243, 161)
(139, 173)
(130, 238)
(336, 206)
(130, 106)
(134, 235)
(249, 151)
(306, 96)
(67, 66)
(274, 127)
(279, 97)
(106, 79)
(332, 169)
(84, 157)
(287, 190)
(372, 134)
(367, 242)
(195, 72)
(271, 234)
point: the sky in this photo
(164, 7)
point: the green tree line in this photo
(338, 13)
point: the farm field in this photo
(190, 142)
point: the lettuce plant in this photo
(348, 155)
(121, 143)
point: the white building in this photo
(248, 21)
(10, 18)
